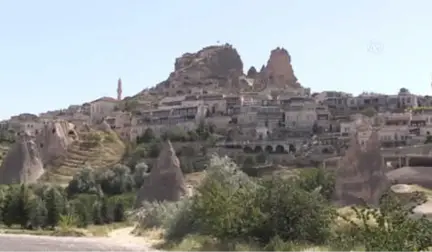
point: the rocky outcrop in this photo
(417, 175)
(212, 68)
(105, 127)
(23, 163)
(54, 139)
(166, 181)
(279, 72)
(252, 72)
(361, 176)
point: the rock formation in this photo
(23, 163)
(279, 72)
(105, 127)
(252, 72)
(165, 181)
(417, 175)
(54, 139)
(212, 68)
(361, 175)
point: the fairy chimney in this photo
(23, 163)
(166, 181)
(361, 176)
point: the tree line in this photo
(91, 197)
(275, 213)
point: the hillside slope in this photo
(95, 149)
(4, 148)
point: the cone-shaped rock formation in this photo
(23, 163)
(361, 176)
(54, 139)
(166, 181)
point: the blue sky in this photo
(55, 53)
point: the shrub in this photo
(116, 180)
(391, 227)
(157, 214)
(292, 213)
(83, 181)
(230, 205)
(316, 178)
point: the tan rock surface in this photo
(23, 163)
(54, 139)
(211, 68)
(361, 175)
(279, 72)
(166, 181)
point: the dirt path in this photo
(125, 235)
(23, 242)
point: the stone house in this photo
(301, 115)
(165, 118)
(233, 104)
(101, 108)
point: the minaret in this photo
(119, 89)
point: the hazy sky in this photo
(56, 53)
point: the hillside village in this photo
(349, 150)
(260, 111)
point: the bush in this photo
(83, 181)
(157, 214)
(230, 205)
(391, 227)
(316, 178)
(116, 180)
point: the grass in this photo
(91, 230)
(104, 230)
(207, 243)
(102, 153)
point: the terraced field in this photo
(101, 154)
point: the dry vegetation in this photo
(95, 149)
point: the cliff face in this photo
(220, 69)
(54, 139)
(23, 163)
(211, 68)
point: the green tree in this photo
(23, 205)
(38, 213)
(55, 204)
(11, 206)
(83, 214)
(140, 172)
(318, 179)
(154, 150)
(97, 214)
(147, 137)
(119, 212)
(394, 229)
(116, 180)
(83, 181)
(106, 211)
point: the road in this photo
(10, 242)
